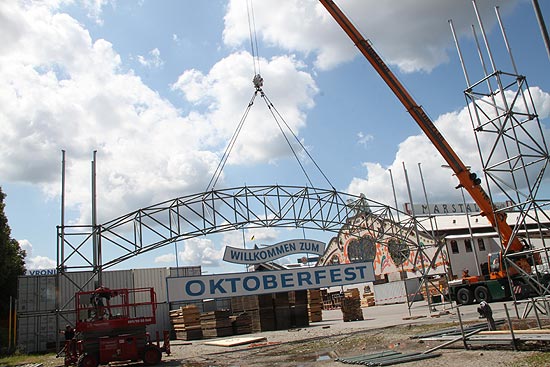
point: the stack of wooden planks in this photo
(351, 305)
(315, 305)
(267, 312)
(241, 323)
(251, 306)
(300, 309)
(367, 300)
(281, 304)
(187, 323)
(216, 323)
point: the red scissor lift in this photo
(111, 326)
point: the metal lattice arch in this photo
(82, 247)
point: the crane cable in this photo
(276, 116)
(230, 146)
(258, 84)
(253, 38)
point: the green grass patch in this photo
(537, 359)
(18, 359)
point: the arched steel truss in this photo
(217, 211)
(80, 247)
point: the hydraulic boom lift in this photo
(473, 286)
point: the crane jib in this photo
(497, 219)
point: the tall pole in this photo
(9, 325)
(60, 250)
(542, 25)
(427, 202)
(95, 234)
(419, 251)
(394, 196)
(62, 247)
(470, 230)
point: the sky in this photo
(158, 88)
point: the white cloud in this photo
(35, 262)
(457, 129)
(63, 90)
(40, 262)
(225, 91)
(200, 251)
(417, 39)
(153, 59)
(95, 8)
(364, 139)
(26, 245)
(167, 258)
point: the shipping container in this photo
(36, 333)
(36, 293)
(155, 278)
(188, 271)
(37, 320)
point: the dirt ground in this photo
(387, 327)
(317, 346)
(320, 344)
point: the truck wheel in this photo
(87, 360)
(481, 293)
(464, 296)
(151, 355)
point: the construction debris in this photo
(233, 342)
(368, 299)
(386, 358)
(478, 336)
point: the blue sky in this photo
(158, 87)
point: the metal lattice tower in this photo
(511, 144)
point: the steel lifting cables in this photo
(258, 84)
(230, 145)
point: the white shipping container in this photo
(152, 278)
(36, 333)
(36, 293)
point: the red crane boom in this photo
(468, 180)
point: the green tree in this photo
(12, 261)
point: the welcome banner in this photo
(273, 252)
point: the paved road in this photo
(419, 312)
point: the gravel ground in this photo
(316, 346)
(389, 328)
(384, 328)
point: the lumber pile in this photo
(251, 306)
(186, 322)
(281, 303)
(367, 300)
(241, 323)
(266, 312)
(314, 305)
(300, 309)
(216, 323)
(351, 305)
